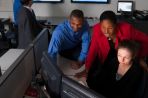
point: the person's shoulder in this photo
(96, 26)
(23, 9)
(86, 23)
(96, 30)
(22, 12)
(123, 24)
(138, 66)
(62, 24)
(85, 28)
(60, 28)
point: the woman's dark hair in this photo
(25, 2)
(108, 15)
(131, 45)
(77, 13)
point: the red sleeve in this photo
(92, 53)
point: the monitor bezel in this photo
(48, 1)
(125, 2)
(68, 83)
(107, 2)
(46, 58)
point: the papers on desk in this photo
(65, 66)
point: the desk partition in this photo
(16, 79)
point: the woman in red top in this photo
(107, 34)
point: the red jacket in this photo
(100, 47)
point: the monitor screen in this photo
(52, 75)
(40, 44)
(48, 1)
(125, 6)
(90, 1)
(17, 78)
(72, 89)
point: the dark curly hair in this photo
(108, 15)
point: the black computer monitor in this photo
(52, 75)
(90, 1)
(60, 86)
(125, 6)
(72, 89)
(17, 78)
(40, 44)
(52, 1)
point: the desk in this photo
(65, 66)
(5, 20)
(9, 57)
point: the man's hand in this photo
(76, 65)
(81, 74)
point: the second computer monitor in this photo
(60, 86)
(73, 89)
(125, 6)
(52, 75)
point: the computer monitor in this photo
(52, 75)
(90, 1)
(17, 78)
(52, 1)
(125, 6)
(40, 44)
(72, 89)
(60, 86)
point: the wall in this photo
(90, 10)
(64, 9)
(6, 8)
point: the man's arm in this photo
(85, 46)
(85, 42)
(89, 59)
(55, 42)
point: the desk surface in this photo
(9, 57)
(4, 20)
(65, 66)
